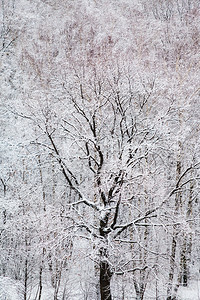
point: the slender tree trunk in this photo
(185, 248)
(41, 180)
(183, 263)
(97, 276)
(172, 268)
(25, 279)
(178, 204)
(40, 283)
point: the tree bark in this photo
(40, 283)
(25, 279)
(172, 268)
(105, 280)
(105, 271)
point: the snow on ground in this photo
(190, 293)
(12, 290)
(9, 289)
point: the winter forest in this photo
(99, 149)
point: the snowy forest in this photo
(99, 149)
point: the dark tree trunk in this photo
(105, 271)
(40, 283)
(105, 279)
(139, 290)
(25, 279)
(184, 267)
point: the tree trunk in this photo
(178, 205)
(172, 268)
(25, 279)
(105, 271)
(139, 290)
(40, 283)
(105, 279)
(183, 264)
